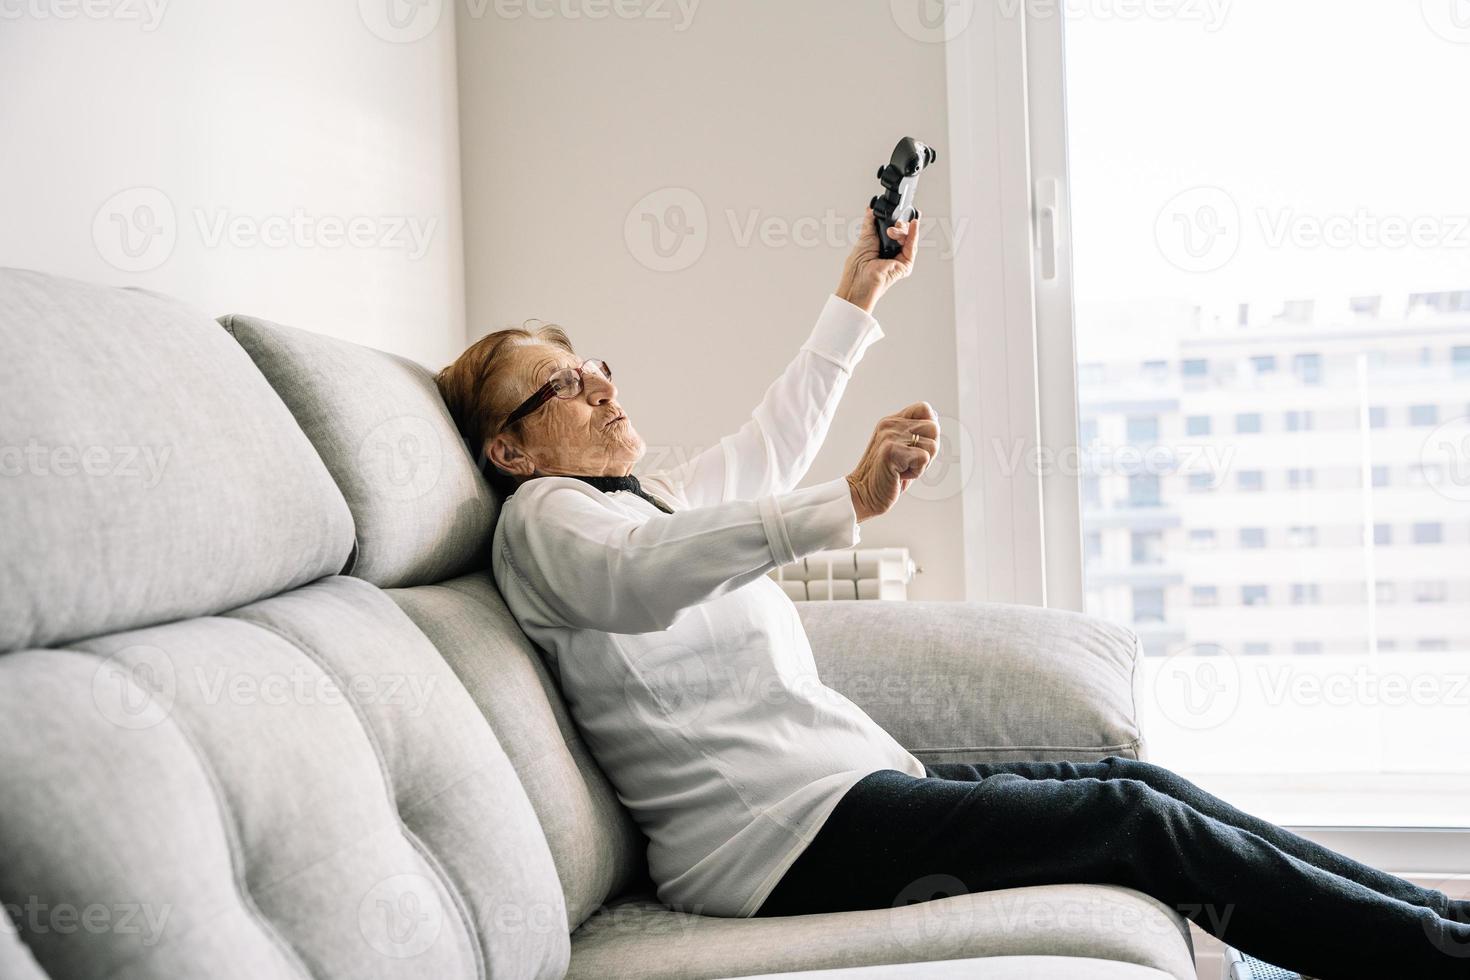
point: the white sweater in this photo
(685, 667)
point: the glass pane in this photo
(1271, 229)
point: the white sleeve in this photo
(588, 565)
(774, 449)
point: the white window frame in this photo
(1016, 350)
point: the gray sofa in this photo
(264, 714)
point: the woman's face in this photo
(588, 435)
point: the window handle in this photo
(1046, 227)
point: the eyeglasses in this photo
(566, 383)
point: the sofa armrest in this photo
(974, 682)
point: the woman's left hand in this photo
(865, 276)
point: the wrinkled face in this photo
(588, 434)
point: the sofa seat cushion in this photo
(300, 787)
(987, 968)
(639, 937)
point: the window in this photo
(1264, 363)
(1429, 532)
(1305, 593)
(1148, 547)
(1300, 479)
(1143, 490)
(1204, 595)
(1143, 430)
(1248, 423)
(1460, 361)
(1385, 592)
(1201, 539)
(1307, 368)
(1253, 595)
(1306, 646)
(1156, 371)
(1250, 480)
(1377, 417)
(1301, 536)
(1382, 534)
(1091, 490)
(1087, 432)
(1197, 425)
(1298, 421)
(1253, 537)
(1380, 476)
(1423, 415)
(1092, 544)
(1431, 591)
(1201, 482)
(1148, 605)
(1194, 368)
(1255, 648)
(1433, 644)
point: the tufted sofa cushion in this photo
(421, 509)
(150, 473)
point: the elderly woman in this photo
(760, 790)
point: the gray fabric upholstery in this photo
(969, 682)
(423, 511)
(297, 788)
(149, 471)
(639, 938)
(987, 968)
(599, 850)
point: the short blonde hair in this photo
(479, 400)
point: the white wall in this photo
(574, 128)
(241, 135)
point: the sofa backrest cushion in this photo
(422, 510)
(149, 472)
(598, 849)
(297, 788)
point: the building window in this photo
(1148, 548)
(1424, 415)
(1143, 430)
(1377, 417)
(1432, 591)
(1250, 480)
(1204, 595)
(1197, 425)
(1156, 370)
(1247, 423)
(1301, 479)
(1148, 605)
(1385, 592)
(1255, 648)
(1305, 593)
(1434, 644)
(1382, 534)
(1253, 537)
(1380, 476)
(1194, 368)
(1307, 646)
(1201, 482)
(1299, 421)
(1264, 363)
(1091, 491)
(1307, 368)
(1429, 532)
(1460, 361)
(1201, 539)
(1253, 595)
(1302, 536)
(1143, 490)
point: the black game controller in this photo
(900, 177)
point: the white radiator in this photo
(863, 573)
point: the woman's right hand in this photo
(890, 464)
